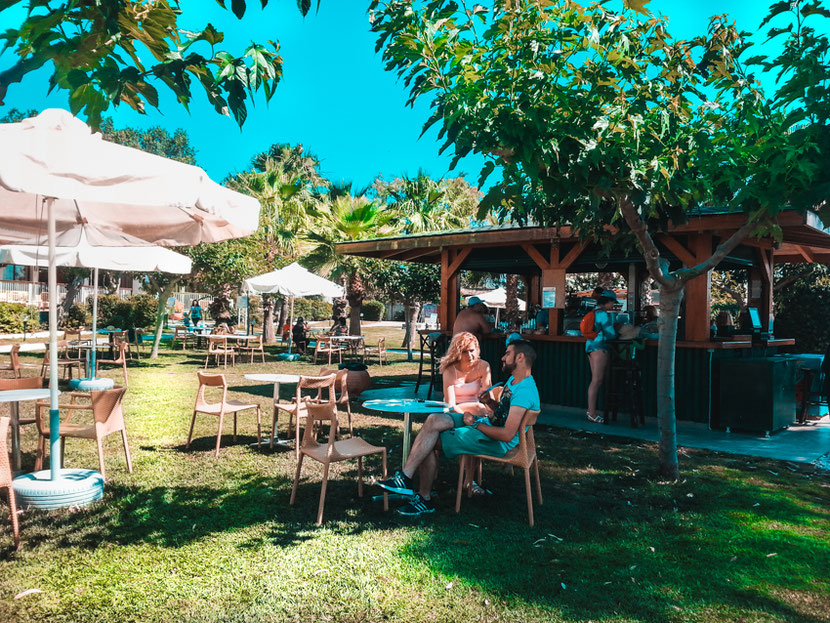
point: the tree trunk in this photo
(511, 305)
(283, 313)
(165, 294)
(412, 310)
(666, 349)
(72, 290)
(355, 293)
(268, 332)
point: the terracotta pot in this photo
(358, 382)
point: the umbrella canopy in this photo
(498, 298)
(94, 181)
(57, 175)
(141, 257)
(294, 280)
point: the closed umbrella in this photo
(57, 175)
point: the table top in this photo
(274, 378)
(20, 395)
(407, 405)
(348, 337)
(233, 336)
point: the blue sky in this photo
(335, 97)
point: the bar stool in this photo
(436, 343)
(624, 382)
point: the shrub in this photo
(311, 309)
(79, 315)
(373, 310)
(14, 316)
(802, 311)
(106, 309)
(136, 311)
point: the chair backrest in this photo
(30, 382)
(341, 388)
(319, 412)
(207, 379)
(322, 345)
(319, 383)
(381, 344)
(217, 343)
(72, 334)
(14, 355)
(180, 331)
(527, 442)
(62, 346)
(106, 408)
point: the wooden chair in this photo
(523, 456)
(218, 347)
(107, 415)
(179, 335)
(137, 342)
(341, 393)
(253, 345)
(14, 362)
(221, 408)
(332, 452)
(327, 347)
(6, 477)
(379, 350)
(30, 382)
(68, 364)
(120, 360)
(296, 408)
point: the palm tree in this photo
(342, 219)
(286, 197)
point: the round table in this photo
(276, 379)
(16, 396)
(407, 406)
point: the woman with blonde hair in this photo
(465, 374)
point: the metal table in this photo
(276, 379)
(14, 397)
(407, 406)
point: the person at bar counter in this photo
(598, 327)
(467, 433)
(472, 319)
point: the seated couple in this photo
(477, 424)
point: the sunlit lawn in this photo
(188, 537)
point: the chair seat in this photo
(231, 406)
(345, 449)
(511, 458)
(78, 430)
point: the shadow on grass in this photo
(612, 541)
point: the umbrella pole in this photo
(54, 415)
(290, 323)
(93, 360)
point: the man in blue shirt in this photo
(466, 433)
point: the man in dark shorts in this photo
(465, 433)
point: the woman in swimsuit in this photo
(465, 374)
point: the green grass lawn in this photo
(189, 537)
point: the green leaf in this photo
(304, 6)
(238, 8)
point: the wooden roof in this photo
(510, 248)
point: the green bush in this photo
(802, 312)
(311, 309)
(107, 304)
(14, 318)
(136, 311)
(373, 310)
(79, 315)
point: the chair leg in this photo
(297, 434)
(63, 453)
(101, 468)
(385, 494)
(234, 426)
(360, 476)
(461, 466)
(538, 482)
(126, 382)
(219, 434)
(273, 429)
(529, 497)
(296, 479)
(190, 434)
(126, 450)
(15, 524)
(41, 450)
(258, 428)
(323, 493)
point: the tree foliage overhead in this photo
(105, 52)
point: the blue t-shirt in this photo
(604, 326)
(522, 394)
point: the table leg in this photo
(15, 426)
(407, 438)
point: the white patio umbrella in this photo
(497, 299)
(57, 175)
(141, 257)
(293, 281)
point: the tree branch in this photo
(723, 249)
(650, 252)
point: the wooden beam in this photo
(680, 252)
(806, 253)
(408, 256)
(460, 256)
(536, 256)
(572, 256)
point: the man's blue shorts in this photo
(468, 440)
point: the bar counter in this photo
(563, 375)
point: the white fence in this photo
(33, 293)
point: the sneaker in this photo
(417, 506)
(399, 483)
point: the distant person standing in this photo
(598, 327)
(472, 319)
(195, 313)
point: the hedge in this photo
(310, 309)
(14, 315)
(372, 310)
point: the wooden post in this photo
(698, 297)
(761, 285)
(451, 261)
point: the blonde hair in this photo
(459, 343)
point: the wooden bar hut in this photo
(543, 256)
